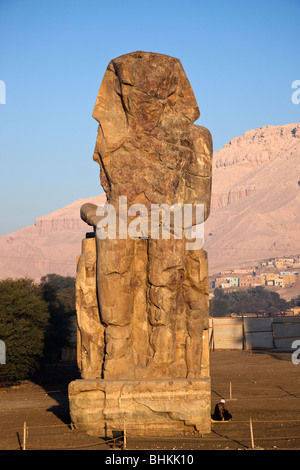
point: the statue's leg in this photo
(115, 294)
(196, 293)
(90, 348)
(140, 324)
(166, 308)
(91, 343)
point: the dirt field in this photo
(265, 385)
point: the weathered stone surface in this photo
(90, 331)
(152, 292)
(150, 407)
(147, 146)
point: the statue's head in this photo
(142, 92)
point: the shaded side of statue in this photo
(152, 293)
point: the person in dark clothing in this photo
(221, 413)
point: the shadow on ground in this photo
(55, 378)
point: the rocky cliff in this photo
(256, 197)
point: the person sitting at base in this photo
(221, 413)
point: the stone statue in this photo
(90, 331)
(152, 292)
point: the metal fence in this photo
(253, 333)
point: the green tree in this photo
(253, 300)
(296, 302)
(219, 306)
(24, 319)
(59, 292)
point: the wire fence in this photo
(27, 437)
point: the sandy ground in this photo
(264, 385)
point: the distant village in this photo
(274, 273)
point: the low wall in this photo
(253, 333)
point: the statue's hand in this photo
(88, 214)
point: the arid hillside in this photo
(51, 245)
(256, 198)
(255, 211)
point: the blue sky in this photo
(240, 57)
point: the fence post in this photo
(125, 438)
(243, 329)
(273, 332)
(251, 433)
(24, 436)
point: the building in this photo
(288, 279)
(219, 281)
(270, 277)
(288, 273)
(260, 280)
(250, 281)
(278, 282)
(249, 270)
(283, 262)
(225, 285)
(283, 279)
(224, 282)
(233, 281)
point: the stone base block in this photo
(146, 407)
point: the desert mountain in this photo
(256, 198)
(51, 245)
(255, 211)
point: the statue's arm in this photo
(88, 213)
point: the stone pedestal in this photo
(163, 407)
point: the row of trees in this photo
(35, 319)
(35, 322)
(254, 300)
